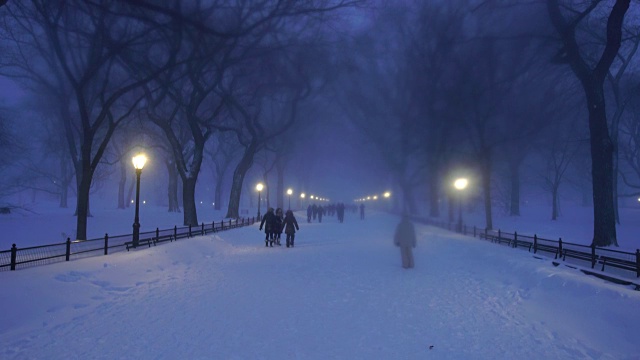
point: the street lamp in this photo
(387, 194)
(289, 192)
(259, 187)
(138, 163)
(460, 184)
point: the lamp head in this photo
(259, 187)
(461, 183)
(139, 161)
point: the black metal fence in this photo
(18, 258)
(606, 259)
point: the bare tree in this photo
(592, 77)
(83, 47)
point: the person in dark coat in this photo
(279, 226)
(405, 239)
(269, 224)
(320, 213)
(361, 211)
(314, 209)
(309, 213)
(290, 227)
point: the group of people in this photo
(318, 211)
(275, 223)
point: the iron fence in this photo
(606, 259)
(18, 258)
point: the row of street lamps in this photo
(386, 195)
(140, 160)
(260, 187)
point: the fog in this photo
(338, 99)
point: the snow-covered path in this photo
(339, 294)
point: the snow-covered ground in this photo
(339, 294)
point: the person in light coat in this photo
(405, 238)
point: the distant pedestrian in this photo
(361, 211)
(320, 213)
(269, 224)
(290, 225)
(309, 213)
(314, 209)
(405, 238)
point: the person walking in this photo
(320, 213)
(405, 239)
(361, 211)
(269, 223)
(291, 225)
(309, 213)
(279, 225)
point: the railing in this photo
(610, 260)
(18, 258)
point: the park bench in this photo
(147, 241)
(523, 243)
(580, 255)
(548, 248)
(495, 238)
(619, 263)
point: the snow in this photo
(339, 294)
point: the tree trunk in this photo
(82, 206)
(189, 202)
(604, 224)
(172, 187)
(554, 202)
(238, 178)
(486, 188)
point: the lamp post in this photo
(259, 187)
(289, 192)
(138, 163)
(460, 184)
(302, 196)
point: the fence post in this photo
(515, 239)
(593, 255)
(213, 226)
(157, 234)
(236, 222)
(229, 223)
(14, 253)
(486, 232)
(189, 230)
(637, 261)
(68, 248)
(106, 243)
(535, 243)
(499, 236)
(203, 229)
(175, 232)
(560, 247)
